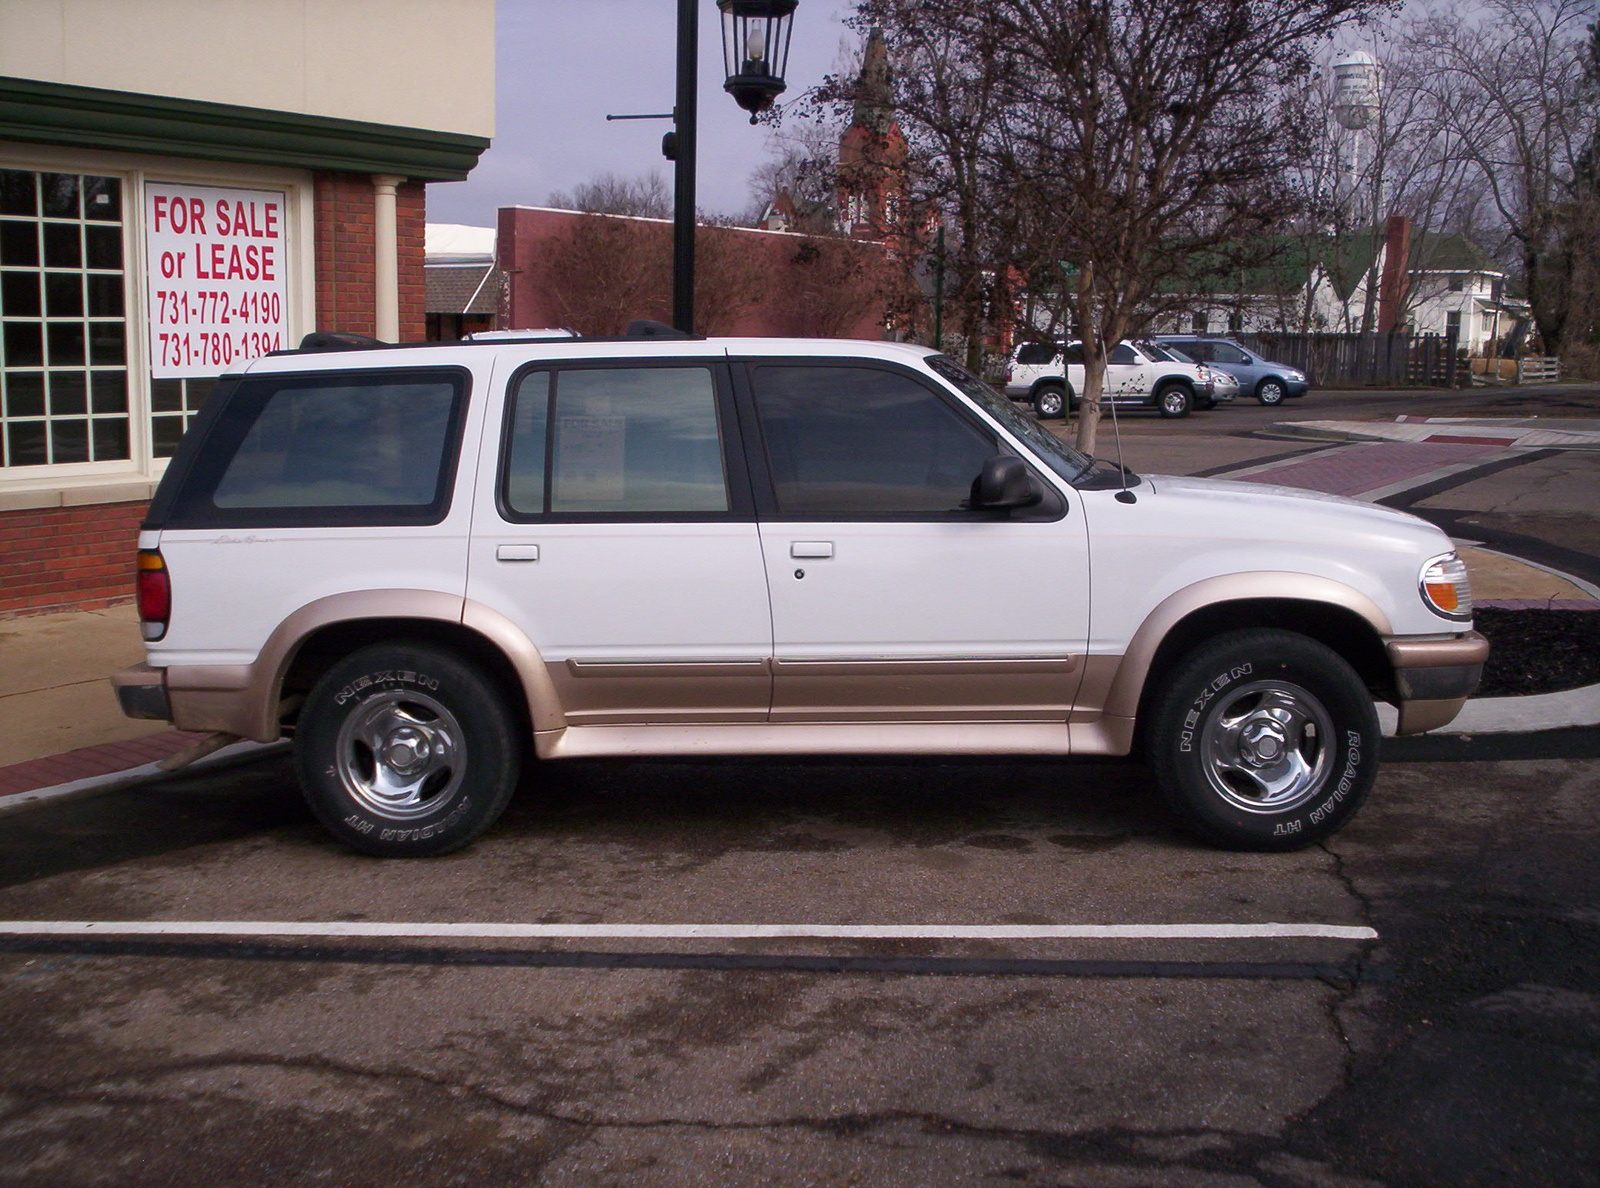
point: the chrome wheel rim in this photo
(400, 755)
(1267, 747)
(1172, 401)
(1050, 404)
(1270, 393)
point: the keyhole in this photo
(799, 573)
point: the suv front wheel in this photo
(406, 751)
(1173, 400)
(1263, 740)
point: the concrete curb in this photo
(239, 752)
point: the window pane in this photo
(166, 395)
(25, 443)
(19, 243)
(110, 390)
(110, 438)
(1122, 353)
(66, 344)
(103, 246)
(69, 441)
(165, 433)
(69, 393)
(60, 193)
(524, 473)
(24, 342)
(1226, 352)
(62, 247)
(361, 444)
(856, 441)
(25, 394)
(108, 344)
(17, 193)
(63, 294)
(19, 295)
(637, 440)
(102, 199)
(105, 296)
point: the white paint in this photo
(963, 932)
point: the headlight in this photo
(1446, 588)
(1296, 376)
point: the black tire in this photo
(448, 760)
(1174, 400)
(1208, 403)
(1270, 391)
(1049, 402)
(1263, 740)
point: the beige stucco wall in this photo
(415, 63)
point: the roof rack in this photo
(344, 340)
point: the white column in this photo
(386, 258)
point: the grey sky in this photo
(564, 65)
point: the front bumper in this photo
(1434, 677)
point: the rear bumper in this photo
(1434, 677)
(142, 693)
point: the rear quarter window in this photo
(333, 448)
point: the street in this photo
(1459, 1047)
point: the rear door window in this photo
(1036, 354)
(624, 442)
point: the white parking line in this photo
(687, 931)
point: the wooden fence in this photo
(1365, 360)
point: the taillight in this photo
(153, 589)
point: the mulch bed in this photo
(1538, 651)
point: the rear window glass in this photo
(333, 448)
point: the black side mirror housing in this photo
(1004, 483)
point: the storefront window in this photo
(63, 320)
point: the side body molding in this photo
(1123, 686)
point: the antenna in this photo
(1124, 495)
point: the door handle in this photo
(523, 552)
(811, 548)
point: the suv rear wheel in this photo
(406, 751)
(1173, 400)
(1263, 740)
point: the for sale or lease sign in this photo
(215, 274)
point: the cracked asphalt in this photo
(1461, 1048)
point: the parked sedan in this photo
(1267, 381)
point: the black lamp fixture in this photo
(755, 50)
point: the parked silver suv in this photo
(440, 568)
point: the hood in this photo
(1271, 509)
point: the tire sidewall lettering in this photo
(1192, 719)
(385, 679)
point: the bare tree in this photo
(603, 272)
(645, 195)
(1511, 87)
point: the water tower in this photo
(1357, 97)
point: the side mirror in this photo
(1004, 483)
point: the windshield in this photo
(1046, 446)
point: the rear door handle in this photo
(811, 548)
(522, 552)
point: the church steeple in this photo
(874, 107)
(872, 152)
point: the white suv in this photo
(438, 567)
(1138, 375)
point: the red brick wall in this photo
(346, 274)
(67, 557)
(80, 557)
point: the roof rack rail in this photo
(645, 328)
(340, 340)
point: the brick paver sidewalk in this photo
(1361, 468)
(86, 762)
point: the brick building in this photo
(186, 184)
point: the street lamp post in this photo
(755, 52)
